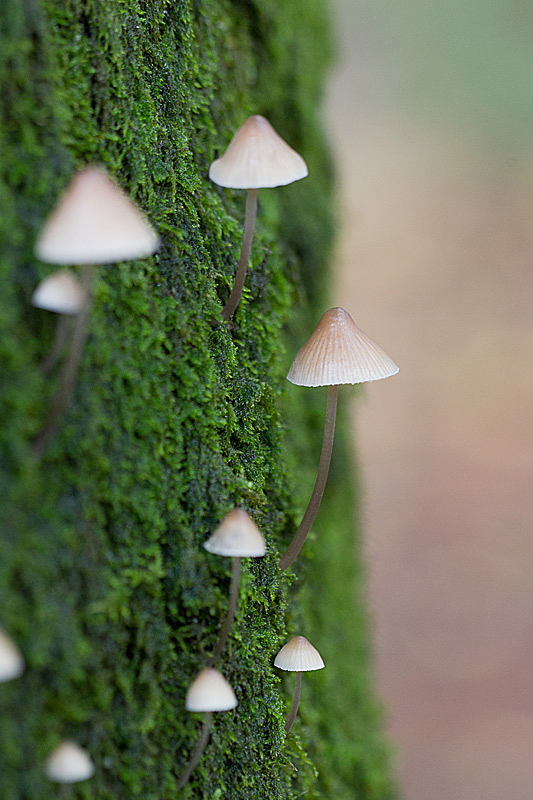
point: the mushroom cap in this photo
(11, 660)
(60, 292)
(299, 655)
(210, 691)
(94, 222)
(339, 352)
(237, 535)
(69, 763)
(257, 158)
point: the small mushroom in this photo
(62, 293)
(93, 223)
(11, 660)
(336, 352)
(238, 537)
(298, 656)
(256, 158)
(69, 763)
(209, 692)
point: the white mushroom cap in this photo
(94, 223)
(60, 292)
(237, 535)
(299, 655)
(11, 661)
(257, 157)
(210, 691)
(69, 763)
(339, 352)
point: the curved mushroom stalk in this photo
(196, 754)
(337, 352)
(291, 716)
(305, 525)
(246, 248)
(232, 608)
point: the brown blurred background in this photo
(430, 111)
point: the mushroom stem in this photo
(246, 247)
(318, 490)
(232, 608)
(60, 337)
(196, 754)
(291, 716)
(70, 367)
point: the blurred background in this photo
(430, 111)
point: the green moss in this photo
(174, 420)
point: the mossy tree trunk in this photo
(174, 420)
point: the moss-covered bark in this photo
(174, 420)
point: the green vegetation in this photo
(175, 418)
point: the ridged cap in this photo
(69, 763)
(210, 691)
(11, 660)
(94, 223)
(237, 535)
(299, 655)
(60, 292)
(257, 158)
(339, 352)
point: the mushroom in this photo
(336, 352)
(238, 537)
(93, 223)
(298, 656)
(11, 660)
(62, 293)
(209, 692)
(69, 763)
(256, 158)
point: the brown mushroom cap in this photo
(60, 292)
(210, 691)
(339, 352)
(94, 223)
(69, 763)
(257, 157)
(237, 535)
(299, 655)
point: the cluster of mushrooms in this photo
(95, 223)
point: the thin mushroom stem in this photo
(246, 247)
(60, 337)
(232, 608)
(318, 490)
(291, 716)
(70, 367)
(196, 754)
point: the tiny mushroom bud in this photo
(239, 537)
(209, 692)
(93, 222)
(298, 656)
(336, 352)
(69, 763)
(60, 292)
(257, 157)
(11, 660)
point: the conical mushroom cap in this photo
(69, 763)
(11, 661)
(339, 352)
(237, 535)
(210, 691)
(94, 223)
(60, 292)
(299, 655)
(257, 157)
